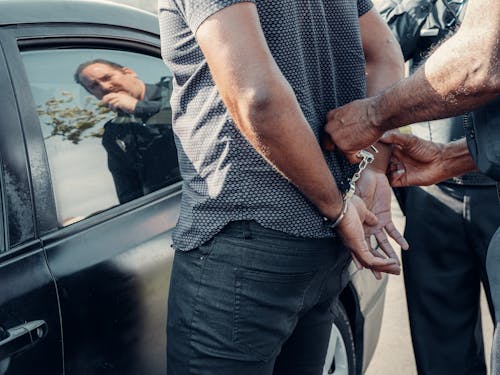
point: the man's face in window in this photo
(101, 79)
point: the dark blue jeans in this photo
(253, 301)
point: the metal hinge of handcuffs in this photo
(366, 159)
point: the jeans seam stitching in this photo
(196, 307)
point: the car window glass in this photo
(107, 130)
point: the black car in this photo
(85, 274)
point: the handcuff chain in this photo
(367, 159)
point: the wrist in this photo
(332, 223)
(382, 158)
(455, 159)
(375, 117)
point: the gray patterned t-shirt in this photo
(317, 46)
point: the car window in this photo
(107, 128)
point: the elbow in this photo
(258, 101)
(257, 107)
(482, 69)
(482, 78)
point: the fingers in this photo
(376, 273)
(400, 139)
(111, 101)
(370, 218)
(120, 100)
(385, 246)
(376, 262)
(396, 173)
(365, 257)
(393, 232)
(357, 263)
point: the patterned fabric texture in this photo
(317, 46)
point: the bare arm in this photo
(384, 59)
(263, 104)
(384, 67)
(266, 111)
(460, 75)
(384, 64)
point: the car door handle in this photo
(20, 338)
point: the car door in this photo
(30, 331)
(110, 257)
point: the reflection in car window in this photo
(106, 121)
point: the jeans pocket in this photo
(266, 309)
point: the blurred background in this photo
(149, 5)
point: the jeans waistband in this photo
(252, 229)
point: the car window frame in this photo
(13, 158)
(36, 37)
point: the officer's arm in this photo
(462, 74)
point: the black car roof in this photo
(76, 11)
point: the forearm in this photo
(430, 93)
(456, 160)
(460, 75)
(275, 126)
(263, 105)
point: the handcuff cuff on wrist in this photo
(366, 159)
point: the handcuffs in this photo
(366, 159)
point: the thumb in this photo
(397, 178)
(387, 138)
(396, 138)
(370, 218)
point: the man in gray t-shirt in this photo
(255, 263)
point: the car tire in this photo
(341, 357)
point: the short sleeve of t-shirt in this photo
(364, 6)
(197, 11)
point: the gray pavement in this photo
(394, 353)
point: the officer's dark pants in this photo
(448, 229)
(253, 301)
(493, 267)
